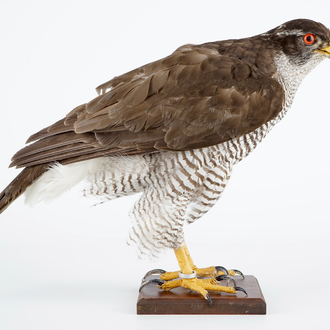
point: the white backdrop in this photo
(66, 265)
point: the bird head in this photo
(303, 40)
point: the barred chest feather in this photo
(175, 186)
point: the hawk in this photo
(173, 130)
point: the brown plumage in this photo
(23, 180)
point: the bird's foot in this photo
(213, 271)
(196, 279)
(190, 281)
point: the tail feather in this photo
(20, 183)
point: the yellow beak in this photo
(325, 50)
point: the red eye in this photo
(309, 39)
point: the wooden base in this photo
(152, 300)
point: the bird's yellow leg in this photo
(185, 261)
(183, 256)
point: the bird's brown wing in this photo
(193, 98)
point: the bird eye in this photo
(309, 39)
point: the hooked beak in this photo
(325, 51)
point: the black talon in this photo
(239, 273)
(238, 288)
(153, 272)
(209, 300)
(156, 280)
(221, 269)
(225, 277)
(221, 278)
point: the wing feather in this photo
(194, 98)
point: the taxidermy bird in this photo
(173, 130)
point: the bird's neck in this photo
(291, 74)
